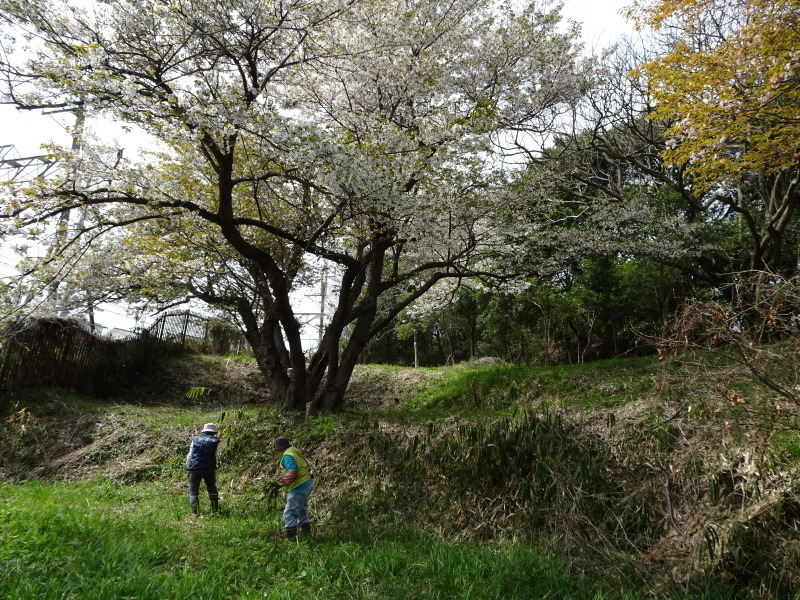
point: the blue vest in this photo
(202, 452)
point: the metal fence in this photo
(199, 333)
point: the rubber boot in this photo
(306, 530)
(290, 534)
(195, 509)
(215, 506)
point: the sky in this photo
(27, 131)
(600, 19)
(601, 22)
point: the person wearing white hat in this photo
(202, 465)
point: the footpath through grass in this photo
(99, 540)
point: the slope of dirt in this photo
(223, 381)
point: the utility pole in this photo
(322, 293)
(320, 315)
(77, 134)
(62, 227)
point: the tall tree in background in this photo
(360, 134)
(714, 214)
(729, 87)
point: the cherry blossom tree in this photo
(362, 134)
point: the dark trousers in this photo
(195, 477)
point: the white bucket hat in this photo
(210, 428)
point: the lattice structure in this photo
(21, 169)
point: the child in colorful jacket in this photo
(297, 481)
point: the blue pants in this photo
(296, 512)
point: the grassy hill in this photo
(629, 478)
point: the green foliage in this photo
(245, 437)
(529, 460)
(786, 446)
(597, 308)
(746, 553)
(473, 387)
(197, 392)
(533, 451)
(526, 477)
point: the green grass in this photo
(469, 389)
(99, 540)
(399, 486)
(472, 388)
(599, 385)
(53, 400)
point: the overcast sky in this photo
(601, 22)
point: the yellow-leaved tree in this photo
(731, 80)
(727, 80)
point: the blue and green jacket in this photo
(293, 460)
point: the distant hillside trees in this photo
(599, 309)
